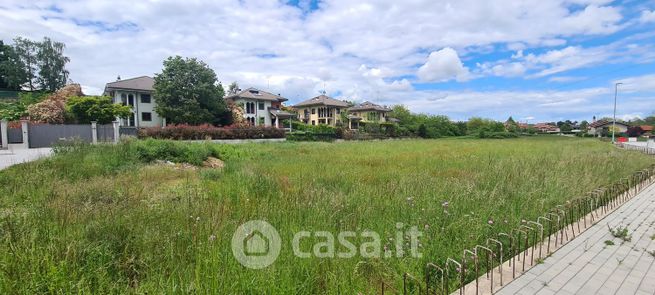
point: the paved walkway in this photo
(586, 265)
(16, 156)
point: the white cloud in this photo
(564, 79)
(647, 16)
(513, 69)
(645, 83)
(441, 66)
(556, 61)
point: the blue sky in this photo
(534, 60)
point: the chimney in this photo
(593, 120)
(118, 78)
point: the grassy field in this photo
(99, 219)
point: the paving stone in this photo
(586, 265)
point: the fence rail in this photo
(529, 242)
(648, 149)
(31, 135)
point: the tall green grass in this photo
(101, 219)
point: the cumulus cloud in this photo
(443, 65)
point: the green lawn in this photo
(100, 220)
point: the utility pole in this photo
(616, 91)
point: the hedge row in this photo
(203, 132)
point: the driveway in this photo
(16, 156)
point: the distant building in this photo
(260, 108)
(321, 110)
(367, 112)
(546, 128)
(599, 127)
(136, 93)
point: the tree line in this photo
(33, 65)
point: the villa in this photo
(136, 93)
(321, 110)
(260, 108)
(367, 112)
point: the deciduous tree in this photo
(52, 65)
(187, 91)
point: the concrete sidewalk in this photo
(587, 265)
(16, 156)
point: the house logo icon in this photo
(256, 244)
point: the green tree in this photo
(233, 88)
(402, 113)
(96, 108)
(422, 131)
(584, 125)
(12, 69)
(26, 50)
(52, 65)
(187, 91)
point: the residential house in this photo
(321, 110)
(546, 128)
(260, 108)
(136, 93)
(367, 112)
(601, 127)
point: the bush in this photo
(203, 132)
(310, 136)
(86, 109)
(49, 111)
(150, 150)
(305, 132)
(496, 135)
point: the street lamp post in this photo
(616, 90)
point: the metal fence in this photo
(128, 131)
(47, 135)
(14, 135)
(105, 133)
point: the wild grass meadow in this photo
(105, 219)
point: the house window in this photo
(130, 100)
(313, 111)
(261, 106)
(250, 108)
(124, 99)
(313, 122)
(261, 121)
(146, 117)
(338, 111)
(145, 98)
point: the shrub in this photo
(496, 135)
(150, 150)
(49, 111)
(147, 151)
(96, 108)
(206, 131)
(305, 132)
